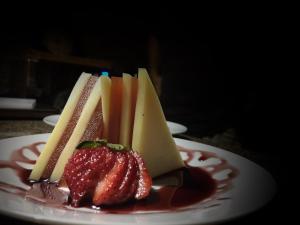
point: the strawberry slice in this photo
(108, 186)
(144, 179)
(81, 181)
(129, 184)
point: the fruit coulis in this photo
(195, 186)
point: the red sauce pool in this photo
(196, 185)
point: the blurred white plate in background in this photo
(17, 103)
(176, 128)
(51, 120)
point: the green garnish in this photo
(101, 143)
(116, 147)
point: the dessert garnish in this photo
(106, 174)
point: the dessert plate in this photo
(175, 128)
(51, 119)
(244, 188)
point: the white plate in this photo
(51, 120)
(175, 128)
(252, 188)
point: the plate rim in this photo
(27, 217)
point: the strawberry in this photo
(108, 186)
(83, 171)
(106, 176)
(144, 179)
(129, 184)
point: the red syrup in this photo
(21, 172)
(197, 185)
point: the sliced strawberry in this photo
(108, 186)
(132, 179)
(80, 181)
(108, 164)
(84, 170)
(129, 184)
(144, 179)
(106, 176)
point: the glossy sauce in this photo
(196, 185)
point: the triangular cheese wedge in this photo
(151, 135)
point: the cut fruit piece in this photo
(129, 184)
(145, 181)
(75, 175)
(151, 135)
(108, 187)
(115, 110)
(128, 109)
(84, 170)
(79, 131)
(106, 176)
(61, 126)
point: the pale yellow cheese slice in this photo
(57, 132)
(105, 98)
(151, 135)
(78, 131)
(127, 111)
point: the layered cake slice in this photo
(89, 127)
(64, 127)
(83, 109)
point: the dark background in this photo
(219, 70)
